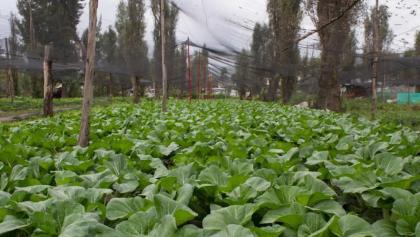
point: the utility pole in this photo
(375, 60)
(48, 82)
(89, 73)
(164, 73)
(9, 72)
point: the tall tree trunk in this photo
(48, 83)
(10, 89)
(329, 85)
(35, 86)
(109, 87)
(136, 89)
(142, 89)
(15, 76)
(89, 74)
(64, 90)
(273, 88)
(332, 43)
(287, 88)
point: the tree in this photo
(349, 55)
(242, 75)
(417, 52)
(109, 52)
(333, 19)
(386, 35)
(178, 82)
(171, 20)
(130, 26)
(284, 19)
(261, 56)
(49, 22)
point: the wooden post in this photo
(9, 75)
(48, 82)
(184, 85)
(375, 60)
(205, 81)
(164, 73)
(89, 73)
(189, 71)
(199, 76)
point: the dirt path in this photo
(27, 115)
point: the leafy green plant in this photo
(210, 169)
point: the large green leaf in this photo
(384, 228)
(235, 215)
(282, 196)
(292, 215)
(11, 223)
(318, 157)
(167, 150)
(119, 208)
(330, 207)
(212, 176)
(234, 231)
(126, 187)
(311, 224)
(138, 224)
(166, 206)
(389, 164)
(82, 225)
(166, 227)
(268, 231)
(352, 226)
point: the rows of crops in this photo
(220, 169)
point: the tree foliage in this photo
(385, 33)
(53, 22)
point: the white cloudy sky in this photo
(212, 21)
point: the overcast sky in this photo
(215, 22)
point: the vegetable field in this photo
(210, 169)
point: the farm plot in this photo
(221, 169)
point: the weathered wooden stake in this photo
(48, 82)
(189, 71)
(89, 73)
(199, 76)
(163, 41)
